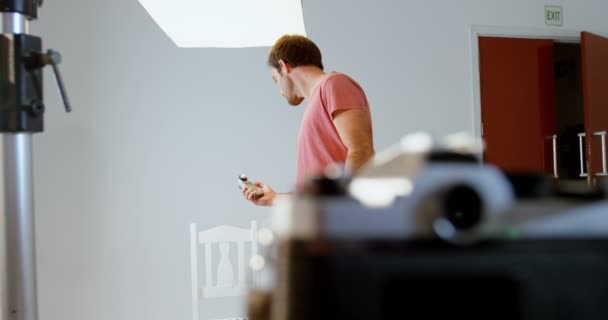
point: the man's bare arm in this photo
(354, 128)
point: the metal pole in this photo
(20, 230)
(19, 208)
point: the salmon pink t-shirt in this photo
(319, 144)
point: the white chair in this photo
(222, 283)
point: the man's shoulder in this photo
(335, 77)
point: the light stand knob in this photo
(53, 58)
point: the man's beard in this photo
(294, 101)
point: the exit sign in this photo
(554, 15)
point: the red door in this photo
(595, 91)
(518, 103)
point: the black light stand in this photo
(21, 115)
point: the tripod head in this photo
(21, 62)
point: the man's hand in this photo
(265, 200)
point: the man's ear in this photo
(284, 67)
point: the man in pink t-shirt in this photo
(336, 127)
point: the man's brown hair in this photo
(296, 50)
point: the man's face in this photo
(286, 86)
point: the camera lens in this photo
(462, 207)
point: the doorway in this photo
(570, 126)
(544, 105)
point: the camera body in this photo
(423, 235)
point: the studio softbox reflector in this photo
(226, 23)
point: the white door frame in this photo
(559, 35)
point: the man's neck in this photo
(306, 79)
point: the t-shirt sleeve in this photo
(342, 93)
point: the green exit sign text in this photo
(554, 15)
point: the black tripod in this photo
(21, 115)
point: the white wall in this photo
(159, 134)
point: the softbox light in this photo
(226, 23)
